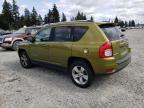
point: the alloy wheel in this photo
(80, 75)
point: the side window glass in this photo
(34, 31)
(43, 36)
(28, 30)
(62, 34)
(79, 32)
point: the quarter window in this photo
(78, 32)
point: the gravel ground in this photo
(41, 87)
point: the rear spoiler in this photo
(107, 25)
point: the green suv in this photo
(83, 48)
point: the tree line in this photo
(122, 23)
(10, 17)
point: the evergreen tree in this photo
(133, 23)
(121, 23)
(63, 17)
(126, 23)
(116, 21)
(3, 23)
(27, 18)
(22, 21)
(80, 16)
(91, 18)
(84, 17)
(46, 19)
(39, 20)
(130, 24)
(27, 13)
(34, 16)
(15, 13)
(7, 17)
(51, 18)
(55, 13)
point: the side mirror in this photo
(31, 39)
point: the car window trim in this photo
(41, 31)
(53, 34)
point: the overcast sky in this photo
(101, 10)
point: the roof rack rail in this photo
(83, 20)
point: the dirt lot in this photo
(41, 87)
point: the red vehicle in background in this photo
(11, 41)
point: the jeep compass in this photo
(83, 48)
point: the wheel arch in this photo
(21, 50)
(73, 59)
(17, 40)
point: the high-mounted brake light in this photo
(106, 50)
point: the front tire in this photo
(81, 74)
(25, 60)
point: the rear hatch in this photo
(118, 40)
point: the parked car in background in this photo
(2, 33)
(1, 39)
(83, 48)
(12, 41)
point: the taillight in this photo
(106, 50)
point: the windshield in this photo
(22, 30)
(112, 32)
(33, 30)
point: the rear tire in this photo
(81, 74)
(25, 60)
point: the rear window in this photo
(78, 32)
(112, 32)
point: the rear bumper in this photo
(124, 62)
(111, 65)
